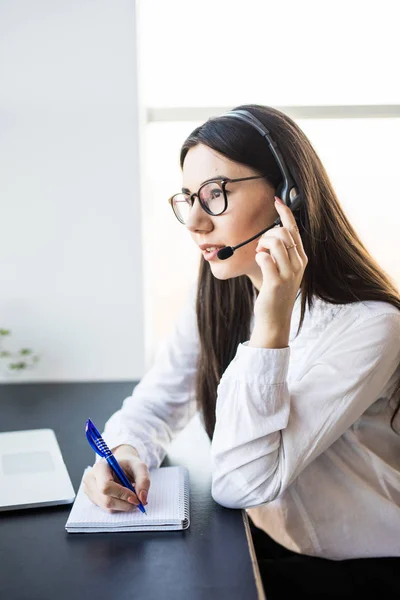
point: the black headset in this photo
(286, 191)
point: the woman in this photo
(290, 349)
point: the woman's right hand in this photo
(103, 488)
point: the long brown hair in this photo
(340, 269)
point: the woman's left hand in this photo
(282, 270)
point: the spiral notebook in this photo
(167, 507)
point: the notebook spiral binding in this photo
(184, 504)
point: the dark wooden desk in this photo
(39, 560)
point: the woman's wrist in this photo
(267, 336)
(125, 450)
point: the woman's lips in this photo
(213, 254)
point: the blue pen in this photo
(100, 447)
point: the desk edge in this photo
(256, 570)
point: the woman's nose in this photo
(197, 215)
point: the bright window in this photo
(227, 52)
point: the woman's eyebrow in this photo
(186, 191)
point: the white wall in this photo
(70, 222)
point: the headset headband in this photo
(287, 190)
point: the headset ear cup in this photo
(297, 211)
(278, 191)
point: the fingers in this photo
(289, 223)
(142, 479)
(284, 244)
(268, 268)
(136, 471)
(275, 241)
(102, 489)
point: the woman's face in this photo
(250, 209)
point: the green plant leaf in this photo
(17, 366)
(5, 331)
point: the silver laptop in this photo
(32, 470)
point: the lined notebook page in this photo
(167, 499)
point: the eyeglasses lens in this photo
(211, 195)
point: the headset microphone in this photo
(286, 191)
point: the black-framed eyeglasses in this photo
(211, 195)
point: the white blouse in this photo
(302, 437)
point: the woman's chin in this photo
(222, 270)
